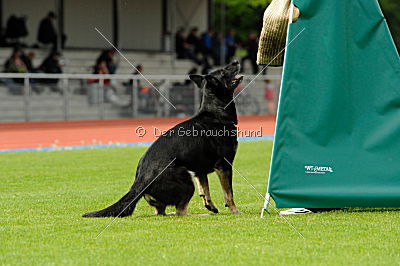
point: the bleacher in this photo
(51, 106)
(81, 62)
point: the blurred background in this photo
(55, 65)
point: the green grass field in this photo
(44, 194)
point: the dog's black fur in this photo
(191, 156)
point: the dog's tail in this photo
(122, 208)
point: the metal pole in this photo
(116, 14)
(167, 107)
(59, 28)
(66, 98)
(173, 32)
(222, 48)
(27, 99)
(101, 100)
(134, 100)
(266, 204)
(116, 27)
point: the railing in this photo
(35, 96)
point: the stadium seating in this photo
(50, 106)
(82, 61)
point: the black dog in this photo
(194, 148)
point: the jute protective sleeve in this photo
(273, 34)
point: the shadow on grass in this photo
(367, 210)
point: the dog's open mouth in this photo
(237, 79)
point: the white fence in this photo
(27, 97)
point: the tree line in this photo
(245, 16)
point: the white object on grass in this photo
(295, 211)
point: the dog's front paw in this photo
(211, 207)
(235, 211)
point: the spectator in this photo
(207, 48)
(107, 56)
(93, 93)
(15, 29)
(206, 42)
(51, 65)
(180, 44)
(139, 85)
(269, 95)
(231, 45)
(47, 33)
(194, 41)
(183, 48)
(218, 41)
(137, 82)
(109, 92)
(28, 59)
(15, 64)
(252, 48)
(144, 93)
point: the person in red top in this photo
(269, 95)
(109, 92)
(100, 68)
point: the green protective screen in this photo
(337, 142)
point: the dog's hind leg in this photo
(225, 178)
(160, 207)
(204, 192)
(182, 209)
(186, 193)
(160, 210)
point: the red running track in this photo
(20, 135)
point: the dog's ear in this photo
(198, 79)
(213, 81)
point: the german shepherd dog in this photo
(192, 149)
